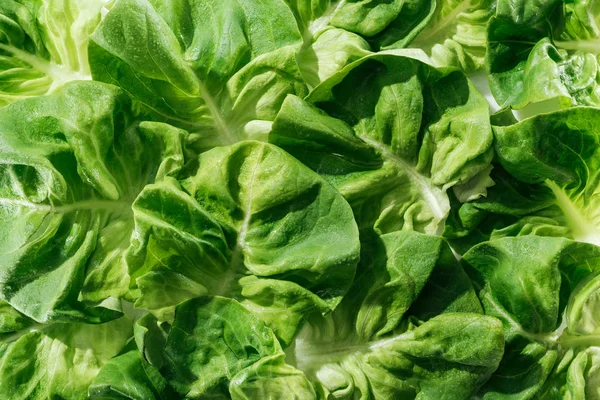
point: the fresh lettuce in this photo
(394, 143)
(44, 44)
(544, 51)
(299, 199)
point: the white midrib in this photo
(582, 340)
(430, 193)
(316, 26)
(444, 23)
(583, 230)
(11, 337)
(588, 46)
(107, 205)
(558, 337)
(58, 73)
(311, 356)
(237, 255)
(499, 311)
(222, 126)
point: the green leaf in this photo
(404, 269)
(546, 183)
(12, 321)
(385, 24)
(392, 134)
(577, 379)
(43, 45)
(338, 32)
(545, 291)
(186, 74)
(253, 224)
(59, 360)
(271, 377)
(329, 52)
(126, 376)
(544, 50)
(456, 35)
(71, 165)
(450, 355)
(509, 208)
(134, 374)
(215, 343)
(363, 348)
(560, 151)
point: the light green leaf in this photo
(329, 52)
(134, 374)
(544, 50)
(456, 34)
(450, 355)
(126, 376)
(364, 349)
(253, 224)
(71, 165)
(336, 33)
(385, 24)
(509, 208)
(187, 74)
(215, 343)
(271, 378)
(392, 134)
(546, 183)
(43, 45)
(561, 151)
(545, 292)
(59, 360)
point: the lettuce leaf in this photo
(71, 166)
(43, 45)
(544, 51)
(393, 143)
(253, 224)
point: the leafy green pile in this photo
(299, 199)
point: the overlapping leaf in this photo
(544, 51)
(215, 68)
(254, 224)
(547, 182)
(369, 346)
(43, 45)
(71, 164)
(545, 291)
(456, 35)
(60, 360)
(392, 134)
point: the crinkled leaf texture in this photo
(456, 35)
(252, 223)
(392, 134)
(215, 348)
(547, 182)
(545, 290)
(71, 165)
(134, 373)
(43, 45)
(39, 362)
(336, 33)
(544, 51)
(216, 68)
(385, 340)
(384, 24)
(375, 345)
